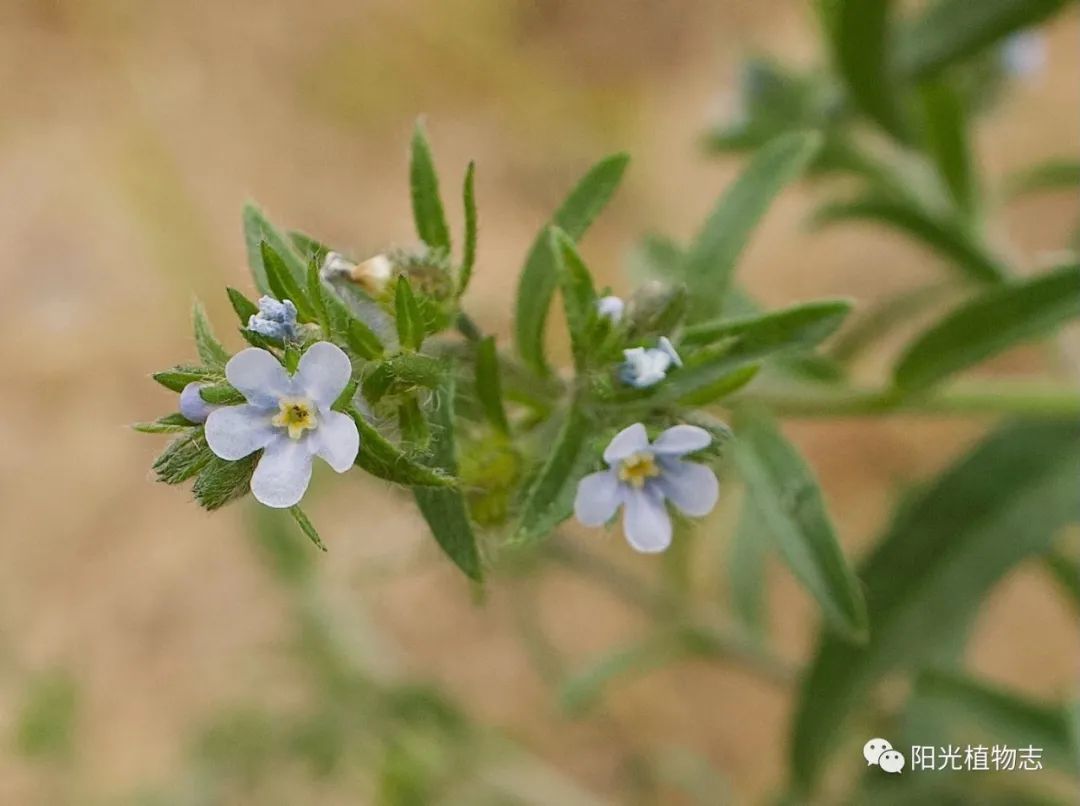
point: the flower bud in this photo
(656, 308)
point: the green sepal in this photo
(169, 424)
(284, 286)
(222, 394)
(244, 307)
(381, 458)
(306, 527)
(409, 320)
(427, 207)
(221, 481)
(210, 350)
(183, 458)
(181, 375)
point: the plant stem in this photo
(1012, 399)
(710, 637)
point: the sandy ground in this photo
(132, 134)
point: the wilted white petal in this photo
(646, 521)
(283, 473)
(336, 440)
(192, 406)
(680, 439)
(610, 307)
(644, 368)
(668, 349)
(336, 266)
(233, 432)
(693, 488)
(258, 376)
(629, 440)
(323, 373)
(598, 498)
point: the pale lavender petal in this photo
(693, 488)
(668, 349)
(258, 376)
(283, 473)
(233, 432)
(611, 307)
(646, 521)
(336, 440)
(680, 439)
(626, 442)
(192, 406)
(598, 498)
(324, 372)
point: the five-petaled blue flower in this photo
(288, 418)
(641, 477)
(645, 367)
(275, 320)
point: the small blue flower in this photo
(275, 320)
(645, 367)
(192, 406)
(611, 307)
(288, 418)
(641, 477)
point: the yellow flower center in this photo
(297, 414)
(637, 468)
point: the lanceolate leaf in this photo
(444, 509)
(945, 135)
(863, 48)
(995, 715)
(579, 296)
(381, 458)
(710, 262)
(244, 307)
(550, 498)
(427, 206)
(469, 257)
(944, 551)
(539, 278)
(1058, 174)
(489, 384)
(257, 230)
(992, 322)
(948, 240)
(210, 350)
(797, 327)
(746, 569)
(788, 503)
(282, 283)
(410, 322)
(950, 31)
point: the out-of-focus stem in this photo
(1011, 399)
(709, 636)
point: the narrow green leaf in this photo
(221, 482)
(797, 327)
(950, 31)
(578, 293)
(863, 52)
(944, 130)
(444, 509)
(786, 498)
(409, 320)
(185, 456)
(317, 295)
(746, 570)
(584, 689)
(947, 239)
(538, 277)
(988, 324)
(412, 425)
(381, 458)
(468, 258)
(1056, 174)
(221, 394)
(210, 350)
(489, 384)
(944, 551)
(309, 249)
(180, 376)
(710, 263)
(363, 341)
(722, 387)
(426, 204)
(306, 527)
(283, 285)
(981, 711)
(245, 308)
(169, 424)
(550, 497)
(257, 230)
